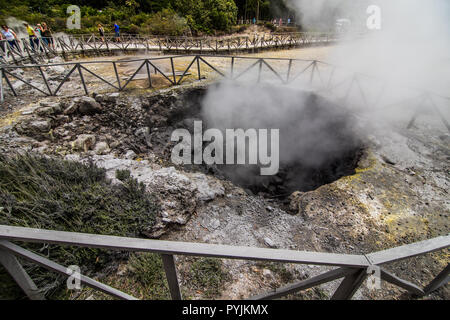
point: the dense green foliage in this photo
(60, 195)
(170, 17)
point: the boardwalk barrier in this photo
(342, 85)
(24, 50)
(354, 269)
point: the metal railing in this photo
(354, 269)
(34, 50)
(341, 84)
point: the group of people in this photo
(40, 32)
(101, 32)
(280, 21)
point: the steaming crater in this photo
(319, 142)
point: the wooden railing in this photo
(354, 269)
(26, 50)
(341, 84)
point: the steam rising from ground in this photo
(318, 142)
(410, 54)
(412, 47)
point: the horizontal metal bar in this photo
(180, 248)
(409, 250)
(53, 266)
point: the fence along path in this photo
(354, 269)
(25, 51)
(337, 82)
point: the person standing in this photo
(38, 30)
(101, 31)
(117, 31)
(47, 35)
(31, 35)
(10, 36)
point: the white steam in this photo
(407, 57)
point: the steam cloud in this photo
(408, 54)
(412, 47)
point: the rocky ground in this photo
(398, 194)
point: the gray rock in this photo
(269, 242)
(84, 142)
(142, 132)
(57, 69)
(164, 214)
(267, 273)
(72, 108)
(49, 109)
(88, 105)
(39, 126)
(130, 154)
(101, 148)
(207, 188)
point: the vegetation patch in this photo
(278, 269)
(147, 269)
(42, 192)
(207, 276)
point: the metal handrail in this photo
(353, 268)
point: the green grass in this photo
(41, 192)
(147, 269)
(207, 275)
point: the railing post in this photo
(148, 74)
(289, 71)
(198, 69)
(23, 280)
(173, 71)
(117, 75)
(259, 70)
(232, 68)
(82, 79)
(45, 81)
(171, 275)
(1, 86)
(349, 285)
(9, 84)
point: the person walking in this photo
(117, 32)
(101, 31)
(10, 36)
(32, 36)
